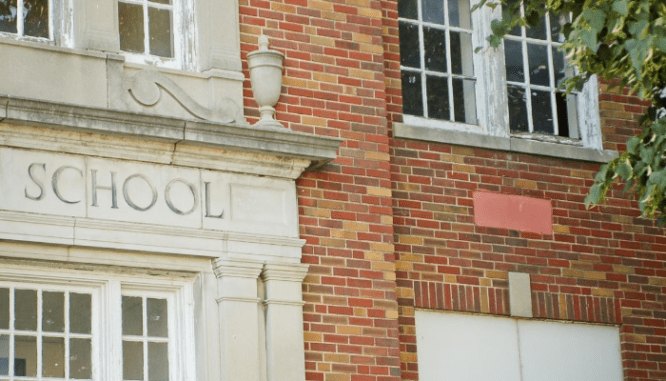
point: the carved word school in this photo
(40, 186)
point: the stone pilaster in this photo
(238, 305)
(285, 358)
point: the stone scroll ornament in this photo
(266, 78)
(146, 88)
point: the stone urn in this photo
(266, 78)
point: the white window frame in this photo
(491, 98)
(20, 24)
(182, 29)
(106, 329)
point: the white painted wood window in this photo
(72, 328)
(154, 31)
(436, 55)
(534, 70)
(509, 92)
(27, 18)
(465, 347)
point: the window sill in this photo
(511, 144)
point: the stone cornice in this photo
(280, 143)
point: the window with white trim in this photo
(535, 67)
(26, 18)
(511, 92)
(153, 31)
(67, 329)
(436, 56)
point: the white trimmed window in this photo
(27, 18)
(511, 92)
(534, 70)
(153, 31)
(82, 328)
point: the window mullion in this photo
(424, 90)
(51, 33)
(449, 80)
(40, 334)
(146, 29)
(528, 87)
(12, 335)
(67, 329)
(553, 85)
(19, 17)
(144, 318)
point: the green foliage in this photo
(622, 41)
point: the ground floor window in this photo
(93, 329)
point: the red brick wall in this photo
(389, 225)
(334, 85)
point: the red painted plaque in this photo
(513, 212)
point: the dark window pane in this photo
(412, 96)
(132, 315)
(438, 97)
(408, 9)
(130, 25)
(79, 313)
(4, 308)
(409, 45)
(53, 311)
(53, 357)
(160, 1)
(8, 11)
(157, 317)
(433, 11)
(537, 58)
(559, 66)
(542, 112)
(464, 100)
(556, 24)
(562, 115)
(158, 362)
(80, 366)
(516, 31)
(461, 53)
(459, 13)
(132, 360)
(25, 356)
(434, 41)
(4, 355)
(513, 59)
(539, 31)
(517, 109)
(25, 310)
(36, 19)
(159, 21)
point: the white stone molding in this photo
(218, 38)
(146, 87)
(285, 356)
(288, 149)
(238, 304)
(95, 30)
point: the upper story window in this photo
(534, 70)
(152, 31)
(26, 18)
(510, 92)
(436, 57)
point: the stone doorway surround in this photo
(103, 188)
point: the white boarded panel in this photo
(573, 352)
(460, 347)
